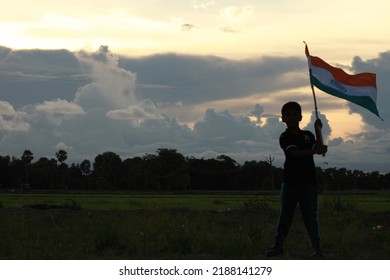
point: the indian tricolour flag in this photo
(359, 88)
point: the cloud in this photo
(237, 13)
(228, 29)
(61, 107)
(200, 79)
(112, 85)
(11, 120)
(199, 105)
(203, 5)
(258, 112)
(17, 123)
(326, 129)
(223, 127)
(6, 109)
(34, 76)
(187, 27)
(145, 110)
(63, 146)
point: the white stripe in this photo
(326, 78)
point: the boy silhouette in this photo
(299, 180)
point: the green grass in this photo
(188, 226)
(124, 201)
(368, 202)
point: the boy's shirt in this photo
(298, 170)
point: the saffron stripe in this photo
(327, 79)
(361, 79)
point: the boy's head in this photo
(292, 114)
(292, 105)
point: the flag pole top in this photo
(311, 85)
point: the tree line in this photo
(167, 170)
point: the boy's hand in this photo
(321, 150)
(318, 124)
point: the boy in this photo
(299, 182)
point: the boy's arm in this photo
(317, 128)
(320, 147)
(319, 150)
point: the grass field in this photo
(184, 226)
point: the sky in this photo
(203, 77)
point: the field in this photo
(184, 226)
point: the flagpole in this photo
(315, 100)
(318, 131)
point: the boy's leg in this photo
(308, 205)
(288, 203)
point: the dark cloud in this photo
(198, 79)
(31, 76)
(4, 51)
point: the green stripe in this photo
(364, 101)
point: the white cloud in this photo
(203, 5)
(112, 84)
(63, 146)
(17, 123)
(60, 107)
(145, 110)
(11, 120)
(234, 13)
(6, 109)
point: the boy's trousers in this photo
(306, 196)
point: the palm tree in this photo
(27, 157)
(61, 157)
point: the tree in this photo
(61, 157)
(135, 173)
(27, 157)
(270, 160)
(85, 167)
(172, 170)
(107, 167)
(254, 174)
(44, 173)
(5, 170)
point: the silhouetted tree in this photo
(270, 160)
(5, 171)
(85, 167)
(106, 169)
(44, 173)
(172, 170)
(27, 157)
(61, 157)
(169, 170)
(134, 178)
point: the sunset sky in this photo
(204, 77)
(235, 29)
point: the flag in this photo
(359, 88)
